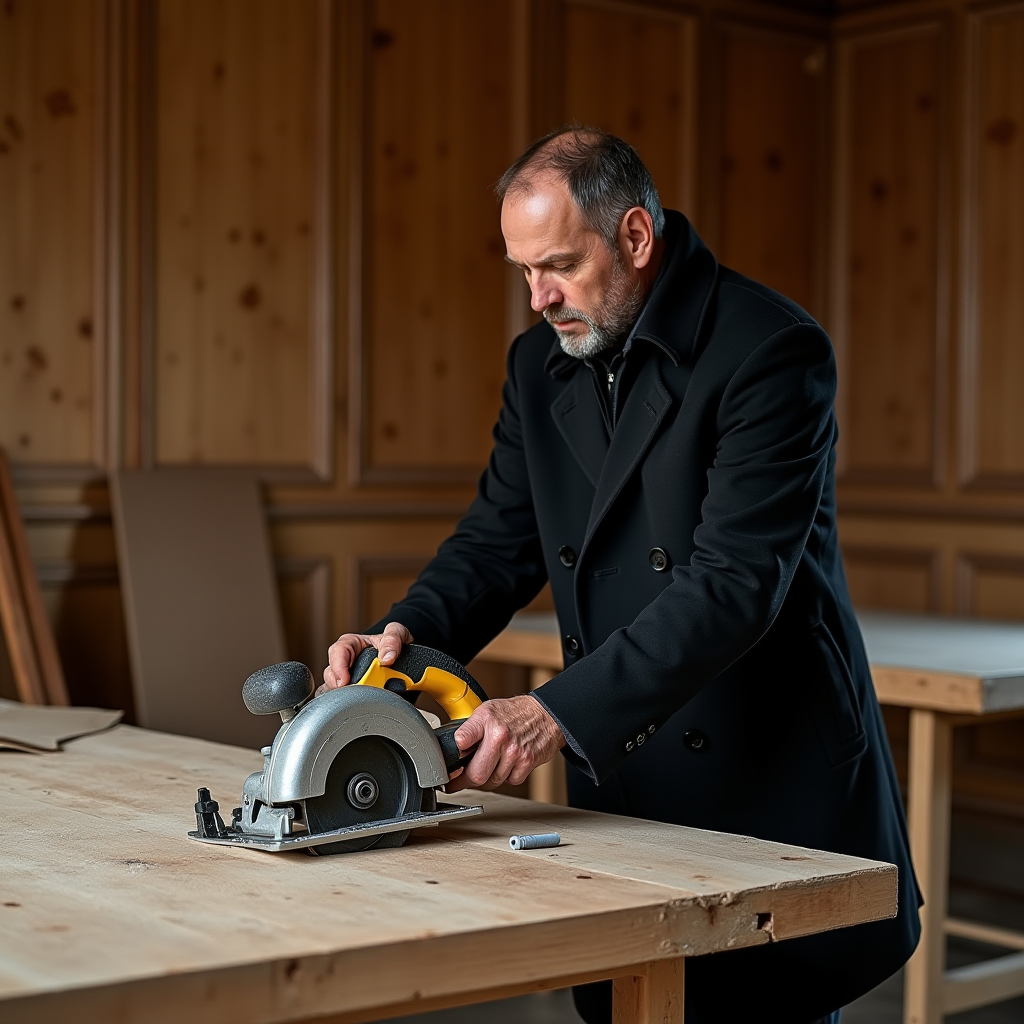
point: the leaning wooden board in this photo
(108, 911)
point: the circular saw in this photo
(358, 767)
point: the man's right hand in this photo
(347, 648)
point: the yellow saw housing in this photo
(453, 693)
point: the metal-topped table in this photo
(948, 672)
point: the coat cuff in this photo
(572, 751)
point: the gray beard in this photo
(611, 321)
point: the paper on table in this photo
(32, 728)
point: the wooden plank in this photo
(928, 815)
(200, 600)
(422, 1005)
(984, 933)
(654, 997)
(17, 628)
(991, 981)
(47, 658)
(102, 920)
(938, 691)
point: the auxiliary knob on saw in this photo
(281, 688)
(355, 768)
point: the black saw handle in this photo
(454, 758)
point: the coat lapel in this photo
(648, 403)
(578, 418)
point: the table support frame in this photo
(654, 997)
(647, 993)
(931, 990)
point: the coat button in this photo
(572, 645)
(695, 740)
(640, 739)
(629, 746)
(658, 559)
(567, 556)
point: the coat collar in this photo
(578, 417)
(676, 312)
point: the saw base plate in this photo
(304, 840)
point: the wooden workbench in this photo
(948, 672)
(108, 912)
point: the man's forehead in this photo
(540, 219)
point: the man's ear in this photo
(636, 237)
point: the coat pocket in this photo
(837, 713)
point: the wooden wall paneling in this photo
(83, 603)
(345, 541)
(240, 367)
(889, 267)
(992, 263)
(378, 581)
(771, 188)
(632, 70)
(54, 174)
(990, 585)
(894, 578)
(304, 586)
(14, 542)
(428, 325)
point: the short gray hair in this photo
(605, 177)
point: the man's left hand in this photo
(515, 734)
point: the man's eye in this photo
(567, 268)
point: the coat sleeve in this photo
(775, 429)
(492, 565)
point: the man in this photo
(665, 457)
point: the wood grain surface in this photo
(889, 116)
(235, 210)
(107, 907)
(51, 393)
(651, 103)
(773, 149)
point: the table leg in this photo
(928, 813)
(653, 997)
(547, 782)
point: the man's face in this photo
(584, 289)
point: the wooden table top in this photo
(108, 911)
(956, 665)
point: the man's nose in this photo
(543, 295)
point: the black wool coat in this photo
(720, 682)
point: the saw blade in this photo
(370, 779)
